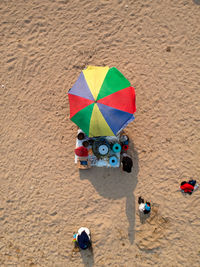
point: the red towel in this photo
(81, 151)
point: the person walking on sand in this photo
(82, 239)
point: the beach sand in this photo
(44, 198)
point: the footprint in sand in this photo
(150, 235)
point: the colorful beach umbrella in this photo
(102, 101)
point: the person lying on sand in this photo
(82, 239)
(144, 207)
(188, 187)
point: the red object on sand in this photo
(188, 188)
(125, 147)
(81, 151)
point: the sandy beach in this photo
(44, 197)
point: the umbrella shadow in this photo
(113, 183)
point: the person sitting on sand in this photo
(188, 187)
(144, 207)
(82, 238)
(127, 163)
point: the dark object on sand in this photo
(86, 143)
(127, 163)
(81, 136)
(91, 141)
(168, 49)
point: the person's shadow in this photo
(87, 257)
(143, 217)
(113, 183)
